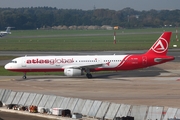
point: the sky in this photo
(98, 4)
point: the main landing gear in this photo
(88, 74)
(24, 76)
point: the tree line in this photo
(37, 17)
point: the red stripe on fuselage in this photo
(122, 62)
(37, 70)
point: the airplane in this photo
(8, 31)
(78, 65)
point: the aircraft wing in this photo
(90, 66)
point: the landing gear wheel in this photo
(24, 76)
(88, 75)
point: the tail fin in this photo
(8, 29)
(160, 47)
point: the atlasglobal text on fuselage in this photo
(80, 65)
(49, 61)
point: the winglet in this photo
(160, 47)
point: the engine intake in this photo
(72, 72)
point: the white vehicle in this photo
(8, 31)
(78, 65)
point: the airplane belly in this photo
(41, 68)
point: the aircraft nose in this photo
(7, 66)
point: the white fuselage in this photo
(62, 62)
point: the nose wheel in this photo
(24, 76)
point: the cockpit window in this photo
(13, 62)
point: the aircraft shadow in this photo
(146, 72)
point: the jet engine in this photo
(72, 72)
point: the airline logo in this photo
(108, 63)
(49, 61)
(160, 46)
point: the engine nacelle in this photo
(72, 72)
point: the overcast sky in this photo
(89, 4)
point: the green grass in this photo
(7, 57)
(81, 40)
(18, 33)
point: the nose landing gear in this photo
(24, 76)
